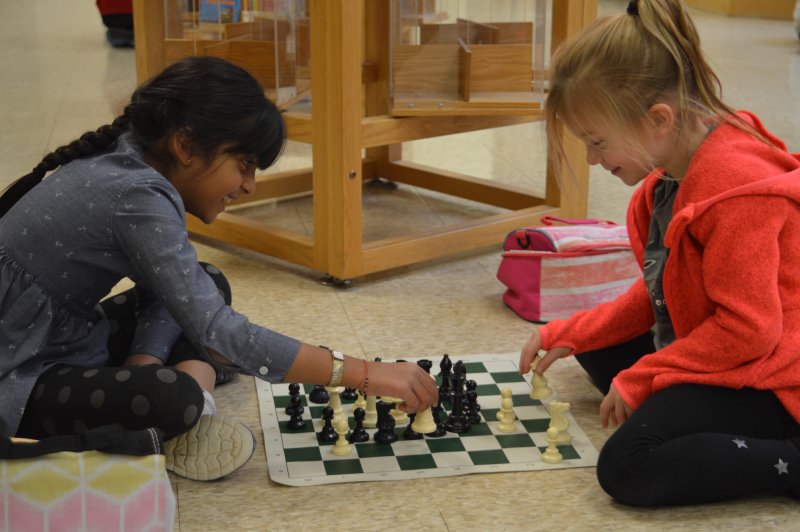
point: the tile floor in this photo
(59, 78)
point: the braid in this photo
(88, 144)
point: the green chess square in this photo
(536, 425)
(507, 376)
(479, 429)
(525, 400)
(488, 457)
(303, 454)
(484, 390)
(508, 441)
(343, 467)
(444, 445)
(416, 461)
(373, 450)
(474, 367)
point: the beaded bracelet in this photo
(362, 387)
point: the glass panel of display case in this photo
(457, 57)
(269, 38)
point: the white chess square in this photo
(518, 455)
(410, 447)
(379, 464)
(306, 469)
(480, 443)
(452, 459)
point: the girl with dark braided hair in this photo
(114, 207)
(699, 360)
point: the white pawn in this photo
(507, 408)
(505, 392)
(371, 413)
(539, 387)
(335, 403)
(360, 401)
(423, 422)
(560, 421)
(342, 447)
(551, 455)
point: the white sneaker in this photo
(216, 446)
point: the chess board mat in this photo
(296, 458)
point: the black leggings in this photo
(71, 400)
(692, 444)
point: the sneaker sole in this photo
(216, 446)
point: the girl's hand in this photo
(614, 408)
(406, 381)
(531, 349)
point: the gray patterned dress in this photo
(71, 239)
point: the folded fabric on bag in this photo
(550, 272)
(105, 479)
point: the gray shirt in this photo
(655, 257)
(71, 239)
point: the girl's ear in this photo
(180, 147)
(662, 118)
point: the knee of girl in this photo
(621, 476)
(177, 407)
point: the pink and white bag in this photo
(553, 271)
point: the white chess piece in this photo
(371, 413)
(423, 422)
(551, 455)
(400, 417)
(507, 408)
(539, 387)
(342, 447)
(360, 401)
(505, 392)
(559, 420)
(335, 403)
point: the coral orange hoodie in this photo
(731, 282)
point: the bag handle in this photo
(550, 220)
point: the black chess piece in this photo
(319, 395)
(359, 433)
(472, 409)
(457, 422)
(426, 365)
(445, 374)
(385, 433)
(348, 394)
(296, 421)
(294, 390)
(327, 434)
(409, 433)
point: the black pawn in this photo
(472, 409)
(296, 421)
(386, 423)
(409, 433)
(359, 434)
(348, 394)
(319, 395)
(327, 434)
(294, 390)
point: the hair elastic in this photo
(633, 7)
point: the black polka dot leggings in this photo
(71, 400)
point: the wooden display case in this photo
(353, 114)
